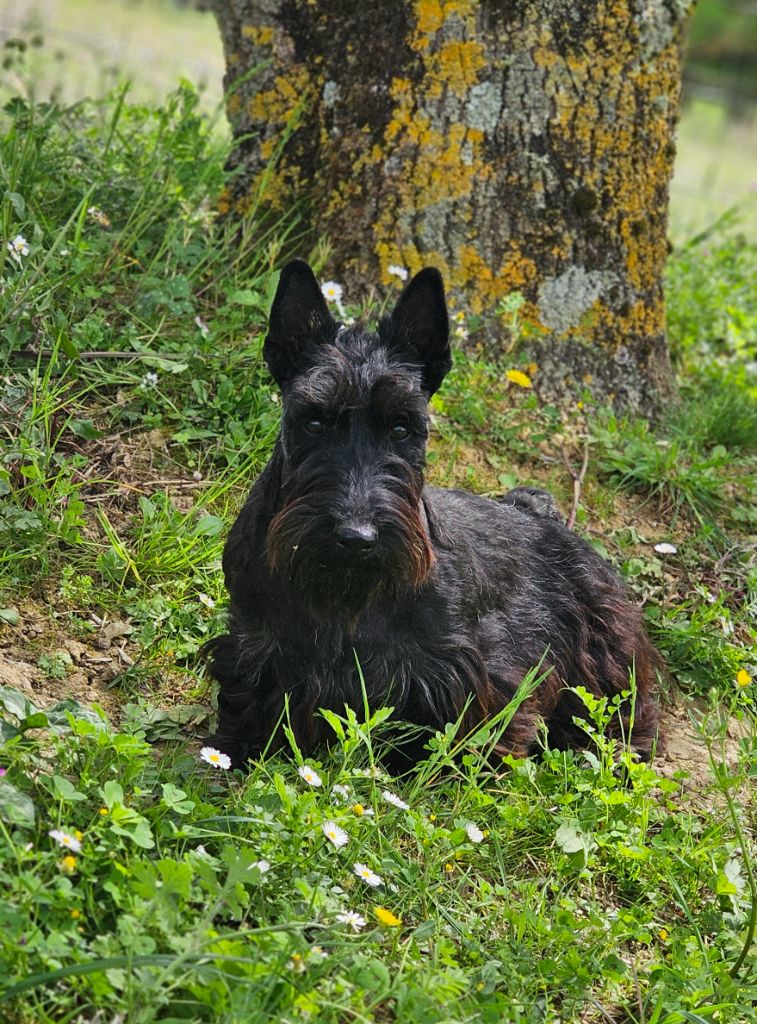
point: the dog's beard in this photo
(301, 546)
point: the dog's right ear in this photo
(299, 320)
(419, 327)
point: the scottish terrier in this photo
(350, 578)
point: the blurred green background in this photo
(89, 45)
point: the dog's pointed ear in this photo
(299, 321)
(419, 327)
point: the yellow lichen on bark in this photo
(607, 96)
(430, 16)
(518, 147)
(276, 106)
(456, 66)
(259, 35)
(440, 164)
(517, 271)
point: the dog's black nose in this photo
(359, 538)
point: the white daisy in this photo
(341, 791)
(149, 380)
(335, 835)
(397, 271)
(352, 919)
(666, 549)
(369, 877)
(216, 758)
(395, 800)
(263, 866)
(207, 601)
(64, 839)
(332, 292)
(311, 777)
(18, 247)
(474, 833)
(204, 329)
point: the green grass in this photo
(601, 890)
(584, 885)
(85, 47)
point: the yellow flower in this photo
(68, 864)
(743, 678)
(358, 809)
(384, 916)
(76, 914)
(449, 868)
(432, 817)
(519, 378)
(662, 935)
(103, 811)
(79, 835)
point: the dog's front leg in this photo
(241, 732)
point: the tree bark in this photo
(517, 145)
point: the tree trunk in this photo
(517, 145)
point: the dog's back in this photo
(543, 594)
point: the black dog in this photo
(444, 598)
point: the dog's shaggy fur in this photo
(444, 598)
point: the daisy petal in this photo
(474, 833)
(309, 775)
(395, 801)
(215, 758)
(369, 877)
(64, 839)
(335, 835)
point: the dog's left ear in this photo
(419, 327)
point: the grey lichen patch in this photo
(330, 94)
(563, 300)
(433, 222)
(658, 21)
(527, 100)
(483, 108)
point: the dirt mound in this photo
(48, 668)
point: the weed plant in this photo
(172, 890)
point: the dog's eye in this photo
(315, 426)
(399, 432)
